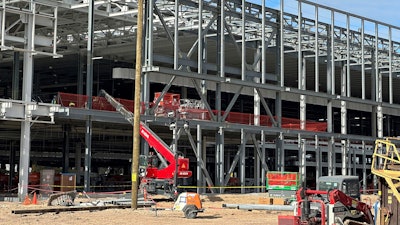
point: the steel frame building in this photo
(312, 62)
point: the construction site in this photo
(285, 103)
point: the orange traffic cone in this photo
(34, 200)
(27, 200)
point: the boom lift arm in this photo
(165, 154)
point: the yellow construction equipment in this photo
(386, 163)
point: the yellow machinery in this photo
(386, 165)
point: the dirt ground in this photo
(214, 213)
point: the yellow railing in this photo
(386, 163)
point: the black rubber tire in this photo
(190, 211)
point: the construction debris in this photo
(62, 199)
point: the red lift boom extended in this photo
(157, 179)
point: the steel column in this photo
(242, 164)
(89, 93)
(344, 157)
(16, 76)
(25, 143)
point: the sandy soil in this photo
(214, 213)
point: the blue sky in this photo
(386, 11)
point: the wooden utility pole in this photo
(136, 111)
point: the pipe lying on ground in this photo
(259, 207)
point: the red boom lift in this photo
(156, 178)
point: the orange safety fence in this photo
(171, 103)
(98, 103)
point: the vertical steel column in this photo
(176, 35)
(221, 152)
(280, 71)
(330, 83)
(318, 161)
(379, 112)
(303, 98)
(200, 41)
(15, 78)
(299, 48)
(282, 45)
(332, 51)
(200, 176)
(375, 81)
(89, 92)
(66, 130)
(301, 70)
(302, 159)
(279, 146)
(175, 149)
(362, 61)
(201, 57)
(364, 166)
(148, 51)
(204, 156)
(78, 162)
(220, 134)
(379, 92)
(221, 32)
(79, 86)
(12, 165)
(354, 158)
(200, 61)
(263, 158)
(242, 164)
(3, 23)
(343, 119)
(147, 61)
(263, 46)
(343, 104)
(280, 153)
(316, 49)
(256, 171)
(348, 83)
(25, 143)
(390, 67)
(344, 157)
(329, 71)
(55, 35)
(331, 157)
(243, 39)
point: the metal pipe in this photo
(259, 207)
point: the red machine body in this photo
(331, 205)
(159, 145)
(158, 179)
